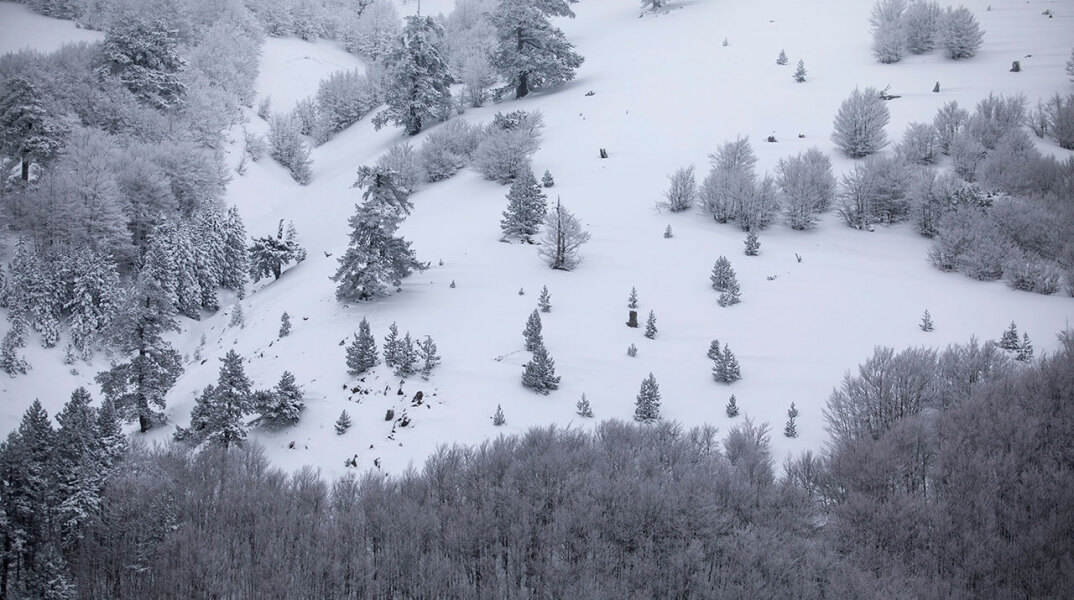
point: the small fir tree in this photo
(285, 324)
(532, 333)
(406, 356)
(792, 412)
(732, 407)
(544, 301)
(782, 59)
(725, 368)
(800, 72)
(362, 352)
(343, 423)
(1025, 349)
(632, 351)
(714, 352)
(647, 404)
(546, 179)
(391, 345)
(722, 274)
(667, 233)
(284, 404)
(650, 326)
(526, 208)
(632, 300)
(539, 373)
(753, 245)
(1010, 341)
(238, 319)
(583, 407)
(790, 429)
(10, 361)
(497, 417)
(730, 295)
(428, 356)
(926, 321)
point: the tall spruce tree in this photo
(531, 53)
(236, 265)
(391, 345)
(283, 405)
(1009, 341)
(539, 374)
(722, 274)
(428, 356)
(647, 404)
(650, 326)
(544, 300)
(224, 408)
(28, 133)
(406, 356)
(362, 352)
(144, 56)
(94, 297)
(417, 85)
(269, 254)
(526, 208)
(532, 332)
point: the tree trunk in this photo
(25, 170)
(632, 321)
(523, 79)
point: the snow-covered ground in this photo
(21, 28)
(666, 93)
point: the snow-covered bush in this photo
(1031, 273)
(807, 187)
(448, 149)
(730, 181)
(889, 35)
(376, 30)
(507, 143)
(683, 190)
(1060, 115)
(933, 195)
(859, 124)
(875, 191)
(305, 114)
(959, 33)
(966, 155)
(921, 22)
(949, 120)
(406, 163)
(1070, 66)
(970, 241)
(254, 145)
(995, 117)
(1009, 165)
(760, 207)
(287, 147)
(342, 99)
(562, 238)
(919, 144)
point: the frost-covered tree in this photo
(722, 274)
(417, 83)
(238, 317)
(391, 345)
(1009, 340)
(343, 423)
(563, 237)
(375, 257)
(919, 145)
(235, 266)
(539, 374)
(714, 352)
(650, 326)
(547, 180)
(725, 368)
(497, 417)
(1070, 66)
(730, 294)
(668, 234)
(269, 254)
(1025, 349)
(362, 352)
(428, 356)
(859, 124)
(544, 300)
(790, 429)
(800, 72)
(94, 297)
(285, 325)
(530, 53)
(807, 187)
(532, 332)
(753, 245)
(782, 58)
(921, 22)
(33, 293)
(283, 405)
(144, 55)
(889, 30)
(448, 149)
(287, 147)
(583, 408)
(926, 322)
(526, 208)
(959, 33)
(10, 361)
(632, 300)
(405, 356)
(732, 407)
(28, 132)
(647, 404)
(504, 150)
(730, 191)
(220, 411)
(682, 193)
(653, 5)
(948, 122)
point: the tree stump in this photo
(632, 321)
(1016, 67)
(389, 415)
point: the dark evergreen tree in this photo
(732, 407)
(94, 298)
(792, 412)
(28, 133)
(285, 324)
(790, 429)
(782, 58)
(539, 373)
(532, 333)
(391, 345)
(211, 255)
(527, 206)
(405, 356)
(417, 85)
(497, 417)
(219, 415)
(268, 254)
(33, 293)
(531, 53)
(753, 245)
(188, 292)
(428, 356)
(650, 326)
(10, 361)
(238, 316)
(583, 408)
(725, 368)
(647, 405)
(27, 473)
(546, 179)
(722, 274)
(362, 352)
(376, 258)
(1025, 349)
(730, 295)
(632, 300)
(667, 233)
(283, 406)
(343, 423)
(926, 322)
(1010, 341)
(544, 301)
(85, 465)
(714, 352)
(110, 434)
(144, 56)
(800, 72)
(236, 265)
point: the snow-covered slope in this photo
(21, 28)
(666, 93)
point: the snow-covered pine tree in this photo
(231, 403)
(144, 56)
(650, 326)
(405, 356)
(188, 292)
(428, 356)
(732, 407)
(859, 124)
(782, 58)
(417, 83)
(539, 374)
(563, 236)
(725, 368)
(343, 423)
(209, 245)
(926, 322)
(526, 208)
(497, 417)
(668, 234)
(790, 429)
(113, 442)
(730, 294)
(544, 300)
(33, 293)
(653, 5)
(362, 352)
(792, 412)
(722, 274)
(78, 447)
(238, 318)
(28, 132)
(632, 300)
(285, 324)
(375, 257)
(632, 351)
(753, 245)
(269, 254)
(959, 33)
(714, 352)
(583, 408)
(647, 404)
(391, 344)
(531, 53)
(235, 269)
(1009, 341)
(284, 404)
(547, 180)
(10, 361)
(532, 332)
(800, 72)
(1025, 349)
(94, 298)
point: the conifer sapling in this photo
(583, 407)
(497, 417)
(782, 59)
(632, 300)
(790, 429)
(362, 351)
(539, 373)
(285, 324)
(732, 407)
(667, 233)
(544, 301)
(647, 404)
(926, 322)
(547, 180)
(714, 352)
(1010, 341)
(238, 319)
(753, 245)
(532, 333)
(428, 356)
(391, 345)
(406, 356)
(650, 326)
(800, 72)
(632, 351)
(343, 423)
(1025, 349)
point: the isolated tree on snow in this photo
(730, 295)
(647, 404)
(269, 254)
(544, 300)
(722, 274)
(27, 132)
(539, 374)
(144, 56)
(428, 356)
(376, 258)
(546, 179)
(725, 368)
(632, 351)
(362, 352)
(1009, 341)
(731, 183)
(497, 417)
(889, 33)
(343, 423)
(391, 345)
(926, 322)
(960, 35)
(417, 85)
(284, 405)
(782, 58)
(238, 317)
(859, 124)
(583, 408)
(753, 245)
(650, 326)
(562, 238)
(285, 325)
(667, 233)
(531, 53)
(682, 193)
(532, 332)
(800, 72)
(632, 300)
(526, 208)
(653, 5)
(219, 413)
(732, 407)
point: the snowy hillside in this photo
(665, 93)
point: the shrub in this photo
(970, 241)
(859, 124)
(342, 100)
(959, 33)
(287, 147)
(921, 22)
(1060, 115)
(683, 190)
(889, 36)
(933, 195)
(1031, 273)
(1008, 166)
(730, 181)
(920, 145)
(949, 121)
(807, 187)
(966, 154)
(995, 117)
(507, 143)
(875, 191)
(448, 149)
(406, 163)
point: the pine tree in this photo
(722, 274)
(343, 423)
(531, 53)
(730, 295)
(753, 245)
(33, 293)
(790, 429)
(732, 407)
(28, 132)
(647, 405)
(110, 434)
(375, 258)
(144, 56)
(653, 5)
(285, 324)
(10, 361)
(230, 403)
(539, 373)
(527, 206)
(236, 265)
(1010, 341)
(497, 417)
(417, 83)
(211, 255)
(583, 408)
(546, 179)
(632, 300)
(188, 292)
(268, 254)
(391, 345)
(632, 351)
(782, 59)
(668, 233)
(1025, 349)
(725, 367)
(714, 352)
(284, 404)
(532, 332)
(238, 318)
(650, 326)
(94, 298)
(926, 322)
(428, 356)
(544, 301)
(800, 72)
(362, 352)
(405, 356)
(792, 412)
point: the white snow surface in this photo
(21, 28)
(666, 94)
